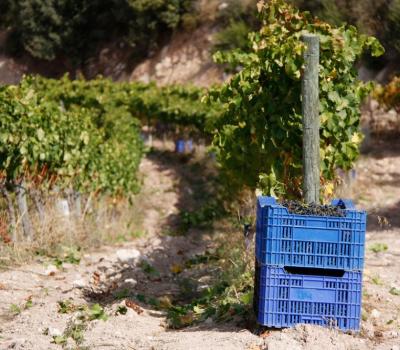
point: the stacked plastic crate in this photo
(309, 268)
(182, 146)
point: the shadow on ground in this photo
(385, 218)
(195, 182)
(383, 145)
(174, 266)
(381, 180)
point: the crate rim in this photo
(268, 201)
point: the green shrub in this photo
(234, 36)
(236, 21)
(393, 33)
(47, 28)
(189, 22)
(4, 13)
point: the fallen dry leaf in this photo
(131, 304)
(6, 238)
(96, 278)
(187, 320)
(176, 268)
(2, 286)
(165, 302)
(265, 334)
(4, 231)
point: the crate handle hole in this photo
(314, 271)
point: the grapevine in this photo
(258, 139)
(84, 134)
(91, 145)
(389, 95)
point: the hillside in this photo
(186, 58)
(151, 41)
(178, 53)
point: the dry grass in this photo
(101, 220)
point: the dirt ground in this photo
(30, 314)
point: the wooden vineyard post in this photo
(311, 123)
(11, 214)
(23, 211)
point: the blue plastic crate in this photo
(180, 146)
(189, 146)
(329, 242)
(284, 299)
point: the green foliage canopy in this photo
(258, 139)
(70, 134)
(85, 134)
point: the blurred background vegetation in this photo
(47, 29)
(379, 18)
